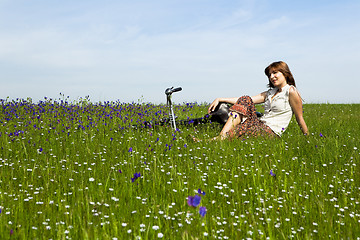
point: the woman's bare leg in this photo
(233, 120)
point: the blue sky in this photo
(130, 50)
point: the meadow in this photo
(81, 170)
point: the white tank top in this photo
(278, 111)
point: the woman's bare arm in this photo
(219, 100)
(296, 105)
(260, 98)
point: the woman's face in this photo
(277, 78)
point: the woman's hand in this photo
(213, 105)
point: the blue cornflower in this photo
(194, 201)
(136, 176)
(272, 173)
(202, 211)
(130, 149)
(201, 192)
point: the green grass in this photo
(66, 172)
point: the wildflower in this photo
(91, 179)
(201, 192)
(130, 149)
(194, 201)
(136, 176)
(119, 171)
(272, 173)
(202, 211)
(149, 148)
(160, 235)
(321, 135)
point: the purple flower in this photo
(202, 211)
(201, 192)
(120, 171)
(136, 176)
(190, 200)
(194, 201)
(272, 173)
(130, 149)
(321, 135)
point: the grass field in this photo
(78, 170)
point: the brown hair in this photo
(284, 69)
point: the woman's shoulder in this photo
(294, 93)
(292, 88)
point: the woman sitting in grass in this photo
(280, 102)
